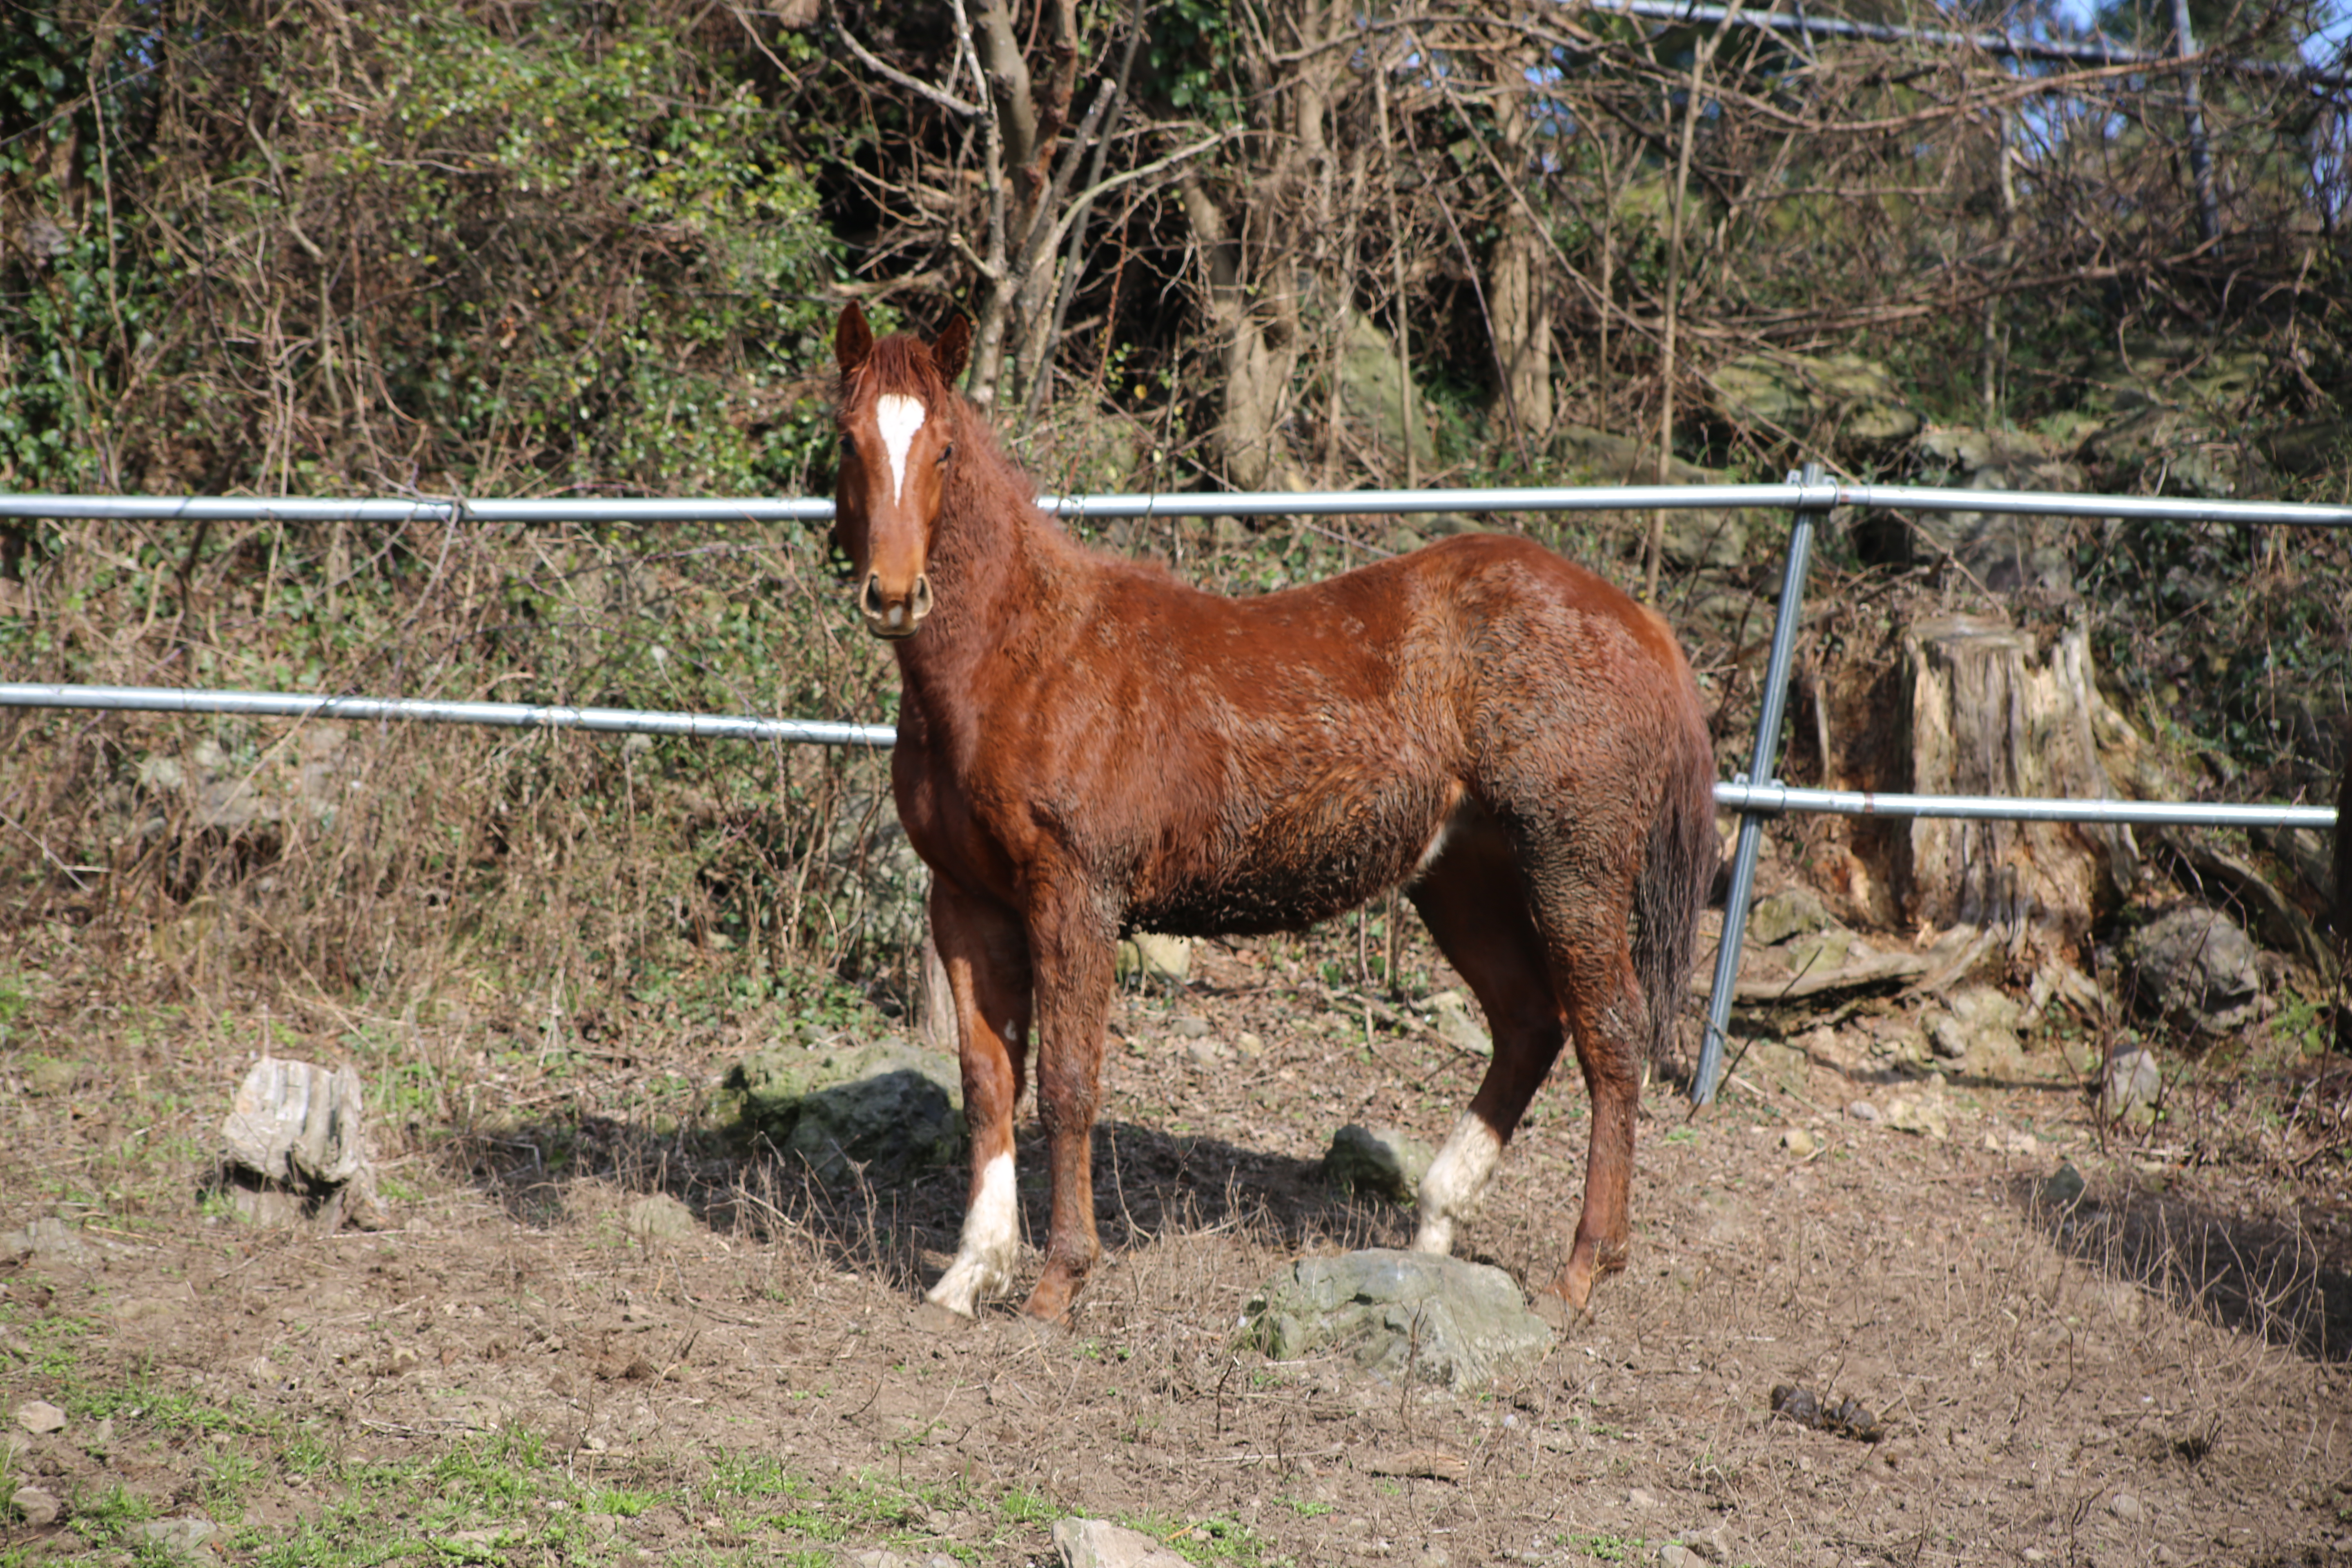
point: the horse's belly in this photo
(1298, 866)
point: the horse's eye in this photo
(945, 453)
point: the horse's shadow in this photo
(897, 1226)
(2254, 1276)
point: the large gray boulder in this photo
(1400, 1316)
(2000, 552)
(889, 1108)
(2195, 970)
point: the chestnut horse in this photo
(1086, 745)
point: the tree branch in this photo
(891, 73)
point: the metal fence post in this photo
(1773, 705)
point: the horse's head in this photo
(896, 416)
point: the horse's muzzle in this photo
(894, 615)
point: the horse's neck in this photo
(998, 572)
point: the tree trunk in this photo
(1993, 714)
(1275, 248)
(1020, 271)
(1248, 439)
(1520, 299)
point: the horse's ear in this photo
(852, 338)
(952, 348)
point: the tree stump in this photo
(1992, 713)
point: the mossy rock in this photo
(887, 1108)
(1794, 392)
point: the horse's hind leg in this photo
(987, 958)
(1594, 969)
(1473, 903)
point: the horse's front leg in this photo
(986, 953)
(1073, 951)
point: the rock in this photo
(2063, 1188)
(1098, 1543)
(875, 1557)
(2191, 454)
(1420, 1464)
(888, 1107)
(181, 1537)
(50, 1239)
(658, 1217)
(1978, 1032)
(1800, 1142)
(1862, 1110)
(2126, 1507)
(1370, 389)
(40, 1418)
(2131, 1087)
(2005, 551)
(2227, 878)
(2012, 1141)
(1189, 1028)
(1709, 1543)
(1847, 1418)
(2311, 447)
(1695, 536)
(1641, 1501)
(1675, 1554)
(1151, 958)
(2194, 969)
(1450, 1015)
(38, 1509)
(1798, 392)
(1400, 1315)
(1380, 1161)
(1793, 912)
(1924, 1115)
(46, 1075)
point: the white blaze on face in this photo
(897, 418)
(1455, 1179)
(984, 1262)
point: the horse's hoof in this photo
(937, 1317)
(1553, 1309)
(1046, 1308)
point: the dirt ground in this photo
(2158, 1373)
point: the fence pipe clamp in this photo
(1815, 500)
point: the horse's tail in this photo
(2344, 851)
(1678, 867)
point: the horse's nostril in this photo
(922, 596)
(869, 599)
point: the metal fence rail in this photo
(2096, 50)
(1755, 794)
(1763, 800)
(1817, 495)
(429, 710)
